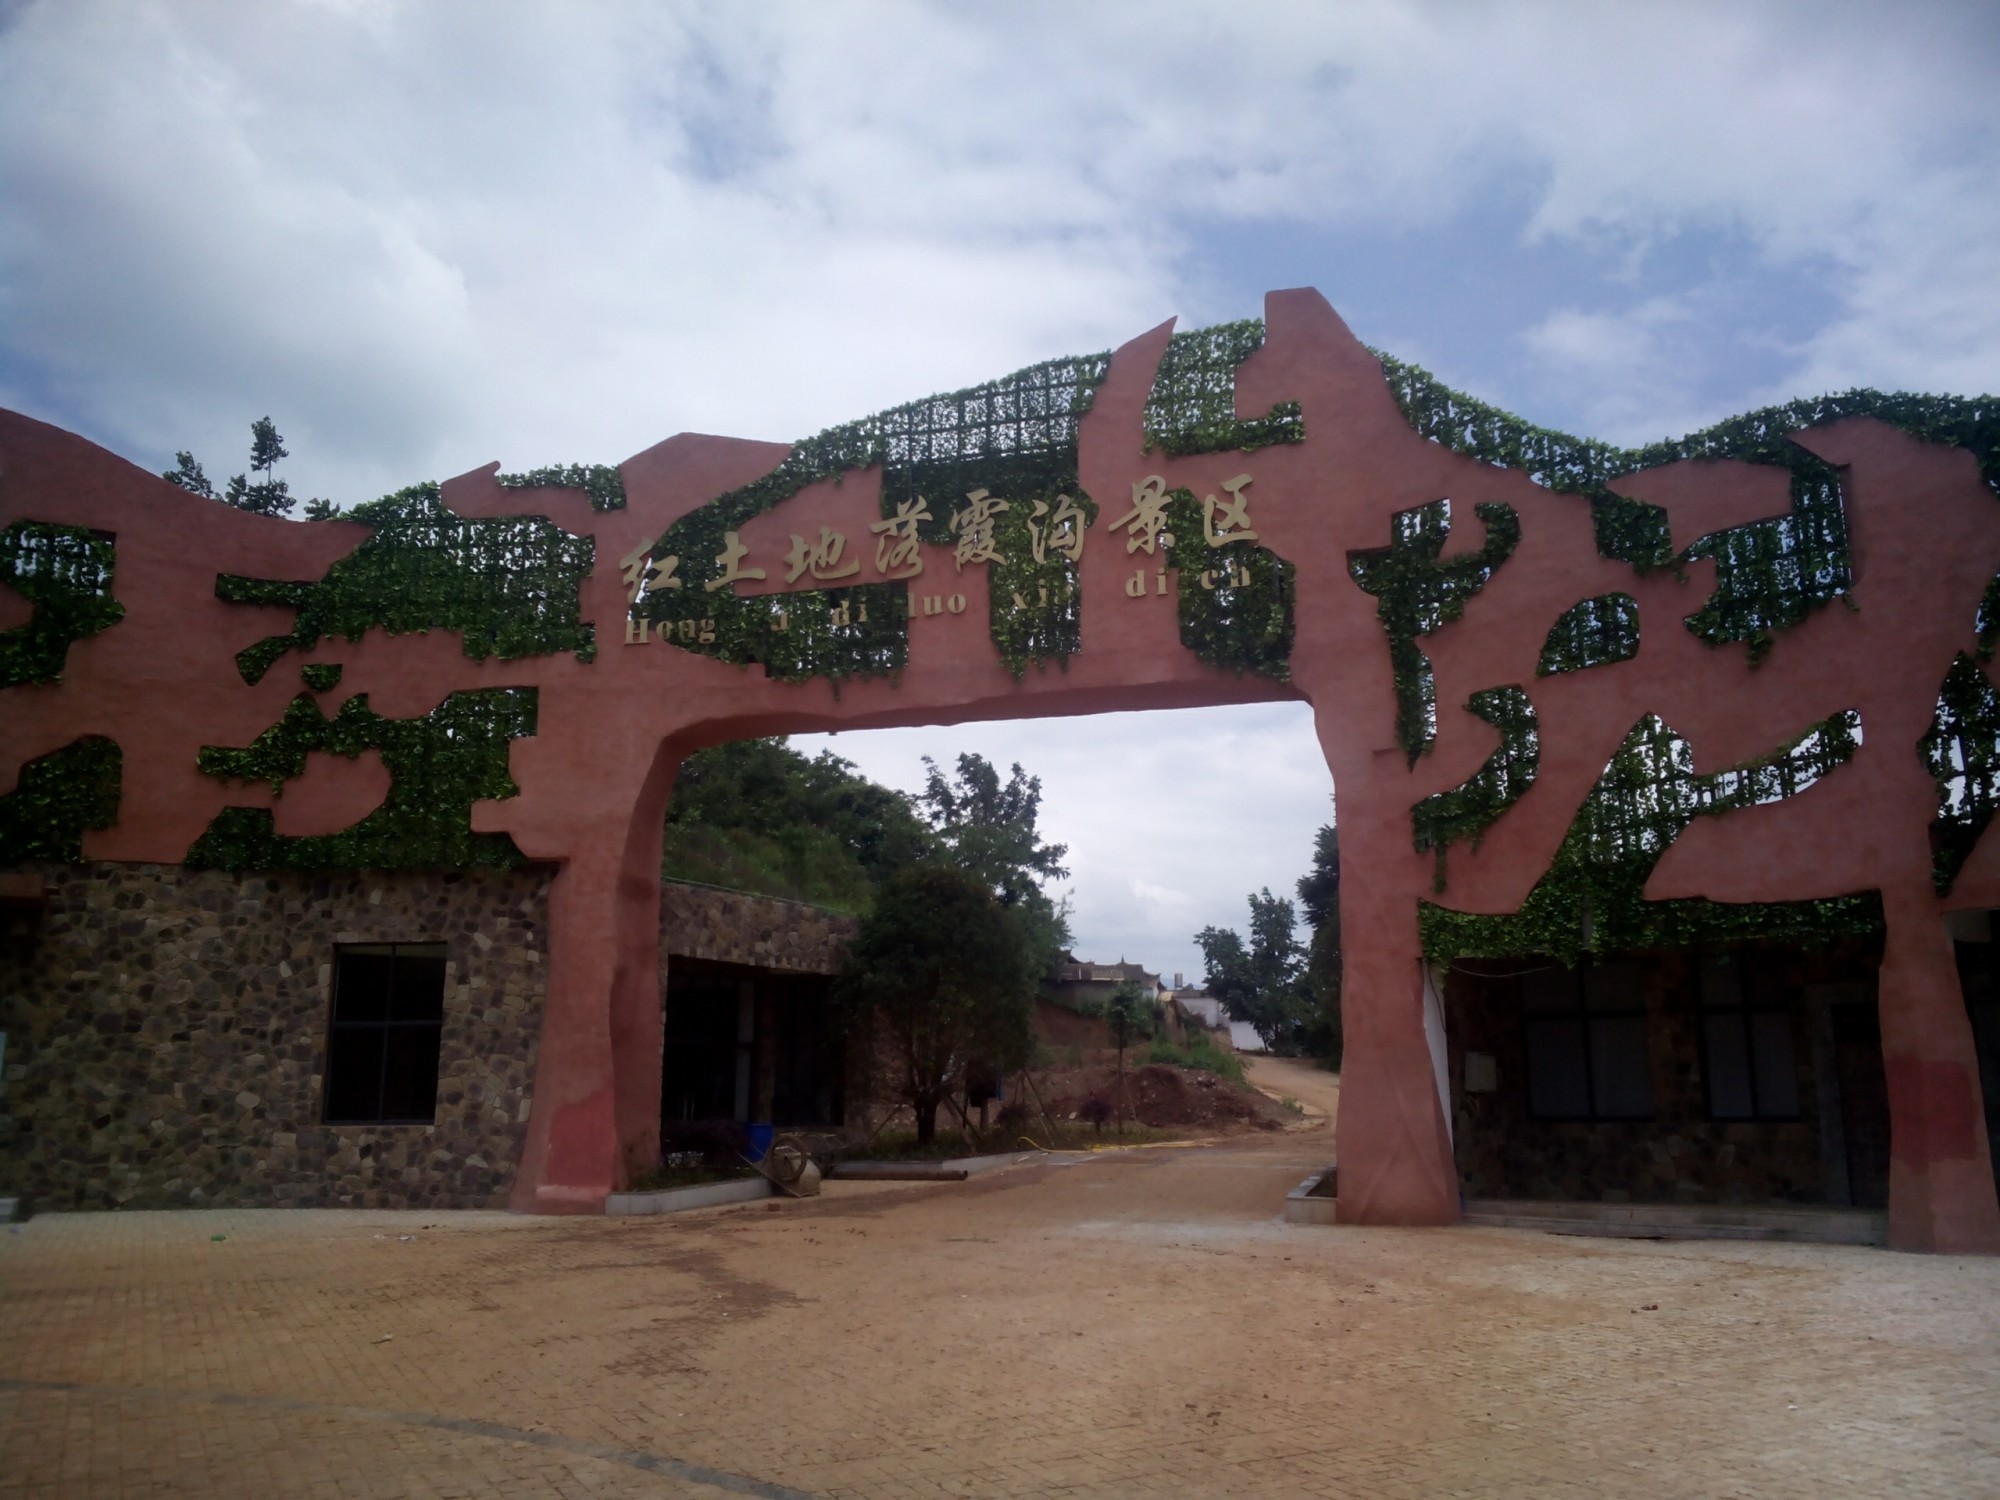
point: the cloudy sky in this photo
(425, 235)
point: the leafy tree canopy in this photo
(1319, 898)
(938, 980)
(1262, 982)
(1128, 1014)
(988, 829)
(758, 815)
(266, 495)
(188, 475)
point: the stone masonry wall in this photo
(167, 1032)
(698, 921)
(1680, 1155)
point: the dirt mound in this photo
(1158, 1095)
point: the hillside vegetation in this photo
(758, 816)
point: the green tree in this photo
(1319, 899)
(758, 815)
(1126, 1014)
(267, 495)
(988, 829)
(187, 474)
(937, 980)
(1262, 982)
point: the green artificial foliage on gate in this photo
(603, 483)
(1593, 895)
(1986, 620)
(511, 584)
(1594, 633)
(1191, 407)
(1417, 593)
(1961, 750)
(1035, 598)
(57, 797)
(1012, 444)
(439, 764)
(1014, 438)
(1238, 602)
(65, 572)
(1469, 809)
(1770, 574)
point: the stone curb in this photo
(703, 1195)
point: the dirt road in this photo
(1316, 1090)
(1143, 1324)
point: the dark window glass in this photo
(419, 988)
(1776, 1070)
(410, 1072)
(361, 983)
(1558, 1073)
(1621, 1071)
(1588, 1043)
(1728, 1051)
(354, 1073)
(1746, 1033)
(388, 1023)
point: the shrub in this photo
(1199, 1053)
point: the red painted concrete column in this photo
(1394, 1150)
(570, 1160)
(595, 1119)
(638, 1015)
(1940, 1174)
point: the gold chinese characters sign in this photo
(1055, 532)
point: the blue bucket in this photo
(760, 1141)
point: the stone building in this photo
(184, 1038)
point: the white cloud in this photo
(435, 235)
(1172, 818)
(1160, 895)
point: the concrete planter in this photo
(703, 1195)
(1312, 1201)
(957, 1169)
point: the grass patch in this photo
(802, 865)
(1199, 1054)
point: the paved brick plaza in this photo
(1141, 1324)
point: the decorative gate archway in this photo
(1570, 695)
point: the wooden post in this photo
(1048, 1120)
(965, 1120)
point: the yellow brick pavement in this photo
(1139, 1325)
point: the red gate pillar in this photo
(1390, 1137)
(570, 1159)
(1940, 1173)
(595, 1117)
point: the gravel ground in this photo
(1143, 1323)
